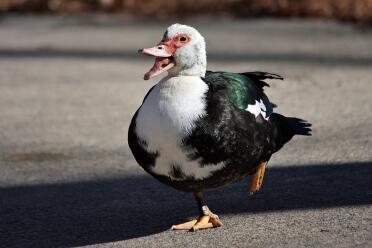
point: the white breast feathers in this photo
(166, 117)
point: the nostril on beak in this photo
(160, 47)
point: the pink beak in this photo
(157, 51)
(163, 53)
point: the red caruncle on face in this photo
(163, 53)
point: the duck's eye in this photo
(183, 39)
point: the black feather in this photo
(260, 75)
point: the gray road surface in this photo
(68, 89)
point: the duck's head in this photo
(180, 52)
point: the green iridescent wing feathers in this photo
(244, 88)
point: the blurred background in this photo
(71, 79)
(359, 11)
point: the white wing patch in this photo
(258, 108)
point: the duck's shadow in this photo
(75, 214)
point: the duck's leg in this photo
(257, 177)
(206, 219)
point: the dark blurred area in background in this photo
(357, 11)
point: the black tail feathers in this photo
(287, 127)
(299, 126)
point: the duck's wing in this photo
(244, 90)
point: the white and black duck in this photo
(197, 130)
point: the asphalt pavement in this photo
(69, 87)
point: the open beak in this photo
(164, 60)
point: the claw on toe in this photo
(202, 222)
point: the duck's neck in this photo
(184, 84)
(197, 70)
(183, 90)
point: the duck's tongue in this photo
(161, 64)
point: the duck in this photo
(197, 130)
